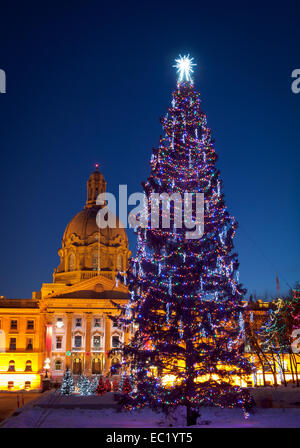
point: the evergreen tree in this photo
(115, 385)
(101, 389)
(67, 387)
(84, 385)
(186, 298)
(126, 388)
(277, 334)
(94, 384)
(107, 385)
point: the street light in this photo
(46, 366)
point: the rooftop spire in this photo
(95, 185)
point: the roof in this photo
(98, 287)
(18, 303)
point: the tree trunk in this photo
(292, 369)
(191, 415)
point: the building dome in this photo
(83, 229)
(88, 250)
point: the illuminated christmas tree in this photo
(186, 298)
(94, 384)
(126, 387)
(116, 386)
(67, 386)
(84, 385)
(278, 335)
(101, 389)
(107, 385)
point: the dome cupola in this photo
(95, 186)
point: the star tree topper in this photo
(184, 67)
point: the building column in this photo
(45, 343)
(49, 334)
(107, 345)
(69, 339)
(88, 319)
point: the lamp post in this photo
(46, 367)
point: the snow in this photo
(36, 416)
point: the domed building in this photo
(77, 305)
(67, 324)
(86, 249)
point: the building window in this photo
(268, 367)
(97, 322)
(58, 342)
(10, 385)
(71, 262)
(12, 344)
(58, 364)
(13, 324)
(27, 385)
(77, 341)
(29, 344)
(28, 367)
(78, 322)
(11, 366)
(115, 341)
(30, 325)
(97, 342)
(95, 261)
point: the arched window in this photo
(120, 263)
(97, 342)
(71, 262)
(28, 367)
(96, 366)
(11, 366)
(27, 385)
(58, 364)
(77, 366)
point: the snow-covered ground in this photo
(33, 417)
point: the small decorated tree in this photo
(101, 389)
(67, 387)
(94, 384)
(107, 385)
(126, 388)
(116, 386)
(78, 383)
(84, 385)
